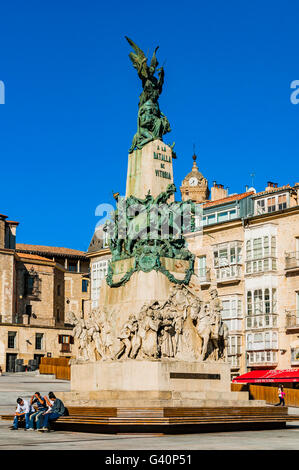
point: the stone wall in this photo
(6, 285)
(25, 342)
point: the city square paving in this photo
(24, 385)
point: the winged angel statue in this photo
(152, 124)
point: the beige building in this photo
(39, 286)
(247, 246)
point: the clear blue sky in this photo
(72, 97)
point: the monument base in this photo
(153, 384)
(128, 299)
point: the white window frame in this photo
(261, 341)
(258, 209)
(218, 213)
(99, 271)
(202, 266)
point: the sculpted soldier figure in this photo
(126, 334)
(101, 335)
(151, 326)
(178, 326)
(168, 333)
(216, 308)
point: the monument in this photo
(152, 341)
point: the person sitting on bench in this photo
(24, 409)
(40, 406)
(49, 402)
(57, 410)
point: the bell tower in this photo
(195, 186)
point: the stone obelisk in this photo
(149, 169)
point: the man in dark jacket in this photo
(57, 410)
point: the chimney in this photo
(271, 186)
(10, 234)
(2, 230)
(218, 192)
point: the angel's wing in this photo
(154, 61)
(139, 59)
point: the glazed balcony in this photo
(234, 350)
(262, 358)
(228, 274)
(261, 321)
(264, 346)
(260, 265)
(234, 361)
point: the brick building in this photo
(39, 286)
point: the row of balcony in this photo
(261, 321)
(262, 358)
(224, 274)
(232, 272)
(258, 358)
(271, 320)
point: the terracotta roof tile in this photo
(49, 250)
(235, 197)
(33, 257)
(273, 190)
(12, 222)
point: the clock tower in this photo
(195, 186)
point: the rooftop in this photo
(49, 250)
(226, 200)
(286, 187)
(33, 257)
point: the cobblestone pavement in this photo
(283, 439)
(14, 385)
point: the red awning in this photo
(268, 376)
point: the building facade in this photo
(39, 287)
(247, 246)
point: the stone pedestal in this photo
(143, 287)
(149, 169)
(128, 299)
(153, 384)
(160, 375)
